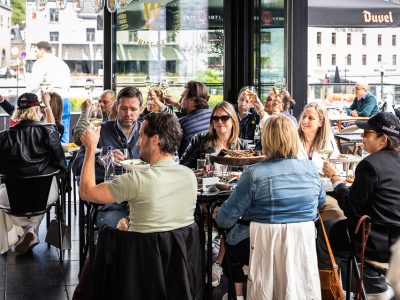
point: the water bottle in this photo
(257, 134)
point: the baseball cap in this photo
(27, 100)
(383, 122)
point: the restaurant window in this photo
(319, 38)
(348, 58)
(333, 59)
(349, 39)
(394, 40)
(364, 39)
(90, 34)
(394, 60)
(54, 14)
(54, 36)
(172, 41)
(266, 38)
(364, 60)
(333, 38)
(319, 60)
(379, 39)
(379, 58)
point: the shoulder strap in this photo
(328, 245)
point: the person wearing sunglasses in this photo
(222, 133)
(375, 192)
(364, 104)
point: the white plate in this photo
(135, 164)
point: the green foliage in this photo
(214, 100)
(209, 76)
(76, 104)
(18, 11)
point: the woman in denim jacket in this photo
(280, 190)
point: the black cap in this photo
(27, 100)
(383, 122)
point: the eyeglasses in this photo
(368, 132)
(223, 119)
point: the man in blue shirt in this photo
(364, 104)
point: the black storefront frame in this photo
(238, 60)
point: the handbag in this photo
(52, 237)
(331, 286)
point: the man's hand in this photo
(46, 99)
(86, 105)
(328, 169)
(118, 156)
(354, 113)
(90, 138)
(123, 224)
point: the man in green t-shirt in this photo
(162, 198)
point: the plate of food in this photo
(135, 164)
(237, 157)
(345, 158)
(70, 147)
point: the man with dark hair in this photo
(55, 72)
(121, 133)
(194, 104)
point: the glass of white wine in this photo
(95, 116)
(164, 86)
(148, 83)
(89, 87)
(44, 85)
(280, 85)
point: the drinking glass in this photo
(280, 85)
(89, 87)
(95, 116)
(44, 85)
(148, 83)
(164, 86)
(201, 163)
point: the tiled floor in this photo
(39, 274)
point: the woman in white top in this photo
(318, 143)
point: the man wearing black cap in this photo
(375, 192)
(29, 148)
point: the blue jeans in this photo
(110, 214)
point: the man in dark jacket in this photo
(375, 192)
(29, 148)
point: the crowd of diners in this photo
(285, 189)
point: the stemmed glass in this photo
(44, 85)
(280, 85)
(147, 82)
(89, 87)
(95, 116)
(164, 86)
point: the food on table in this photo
(72, 145)
(239, 153)
(350, 178)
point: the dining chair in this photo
(28, 197)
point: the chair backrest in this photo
(28, 195)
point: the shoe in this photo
(216, 274)
(387, 295)
(225, 297)
(26, 243)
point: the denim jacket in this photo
(276, 191)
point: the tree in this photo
(18, 11)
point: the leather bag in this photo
(331, 286)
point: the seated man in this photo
(364, 104)
(121, 133)
(29, 148)
(162, 198)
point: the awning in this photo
(134, 52)
(75, 52)
(97, 52)
(355, 13)
(171, 53)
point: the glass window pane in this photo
(176, 41)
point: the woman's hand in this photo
(259, 107)
(46, 99)
(123, 224)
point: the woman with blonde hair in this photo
(223, 133)
(270, 192)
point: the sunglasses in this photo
(223, 119)
(366, 133)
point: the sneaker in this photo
(216, 274)
(26, 243)
(225, 297)
(387, 295)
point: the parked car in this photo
(7, 73)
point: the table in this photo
(213, 200)
(341, 119)
(354, 138)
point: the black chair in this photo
(161, 265)
(358, 262)
(28, 197)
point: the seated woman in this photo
(223, 133)
(155, 103)
(247, 112)
(29, 148)
(318, 143)
(270, 192)
(375, 192)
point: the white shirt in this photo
(56, 72)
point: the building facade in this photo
(5, 26)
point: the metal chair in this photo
(28, 197)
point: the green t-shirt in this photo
(162, 198)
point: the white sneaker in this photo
(225, 297)
(216, 274)
(387, 295)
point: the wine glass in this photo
(280, 85)
(44, 85)
(147, 82)
(164, 86)
(95, 116)
(89, 87)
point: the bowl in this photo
(223, 186)
(135, 164)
